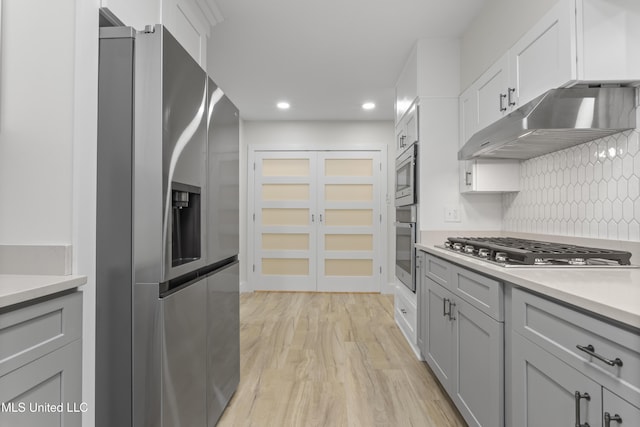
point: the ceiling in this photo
(325, 57)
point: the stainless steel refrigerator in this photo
(167, 279)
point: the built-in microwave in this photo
(407, 177)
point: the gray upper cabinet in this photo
(460, 315)
(41, 363)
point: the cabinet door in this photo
(478, 375)
(468, 106)
(541, 60)
(608, 40)
(439, 345)
(492, 93)
(489, 176)
(401, 137)
(544, 387)
(617, 411)
(54, 380)
(411, 126)
(423, 307)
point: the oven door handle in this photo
(404, 224)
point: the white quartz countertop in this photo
(610, 292)
(17, 288)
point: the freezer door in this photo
(184, 356)
(223, 182)
(223, 340)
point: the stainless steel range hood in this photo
(558, 119)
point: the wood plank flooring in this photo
(321, 359)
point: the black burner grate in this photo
(526, 252)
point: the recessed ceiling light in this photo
(368, 106)
(283, 105)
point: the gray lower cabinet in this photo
(439, 332)
(545, 390)
(421, 297)
(463, 345)
(41, 363)
(617, 411)
(570, 367)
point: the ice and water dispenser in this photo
(186, 223)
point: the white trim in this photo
(302, 146)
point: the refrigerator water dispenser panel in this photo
(186, 224)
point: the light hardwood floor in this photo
(320, 359)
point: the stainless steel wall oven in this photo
(405, 245)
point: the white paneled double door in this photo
(317, 221)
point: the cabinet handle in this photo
(591, 351)
(444, 308)
(578, 397)
(313, 218)
(608, 418)
(403, 311)
(510, 92)
(501, 98)
(467, 178)
(320, 217)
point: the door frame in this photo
(383, 197)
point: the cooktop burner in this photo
(512, 252)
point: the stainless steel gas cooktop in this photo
(512, 252)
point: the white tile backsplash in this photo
(590, 190)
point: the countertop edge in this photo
(590, 304)
(16, 289)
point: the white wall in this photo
(497, 27)
(439, 188)
(36, 121)
(48, 102)
(299, 134)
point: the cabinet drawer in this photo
(31, 331)
(560, 329)
(406, 315)
(482, 292)
(438, 270)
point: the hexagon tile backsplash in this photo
(590, 190)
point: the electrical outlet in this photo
(452, 213)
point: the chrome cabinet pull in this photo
(501, 98)
(608, 418)
(467, 178)
(403, 311)
(510, 92)
(591, 351)
(320, 217)
(578, 397)
(313, 218)
(444, 308)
